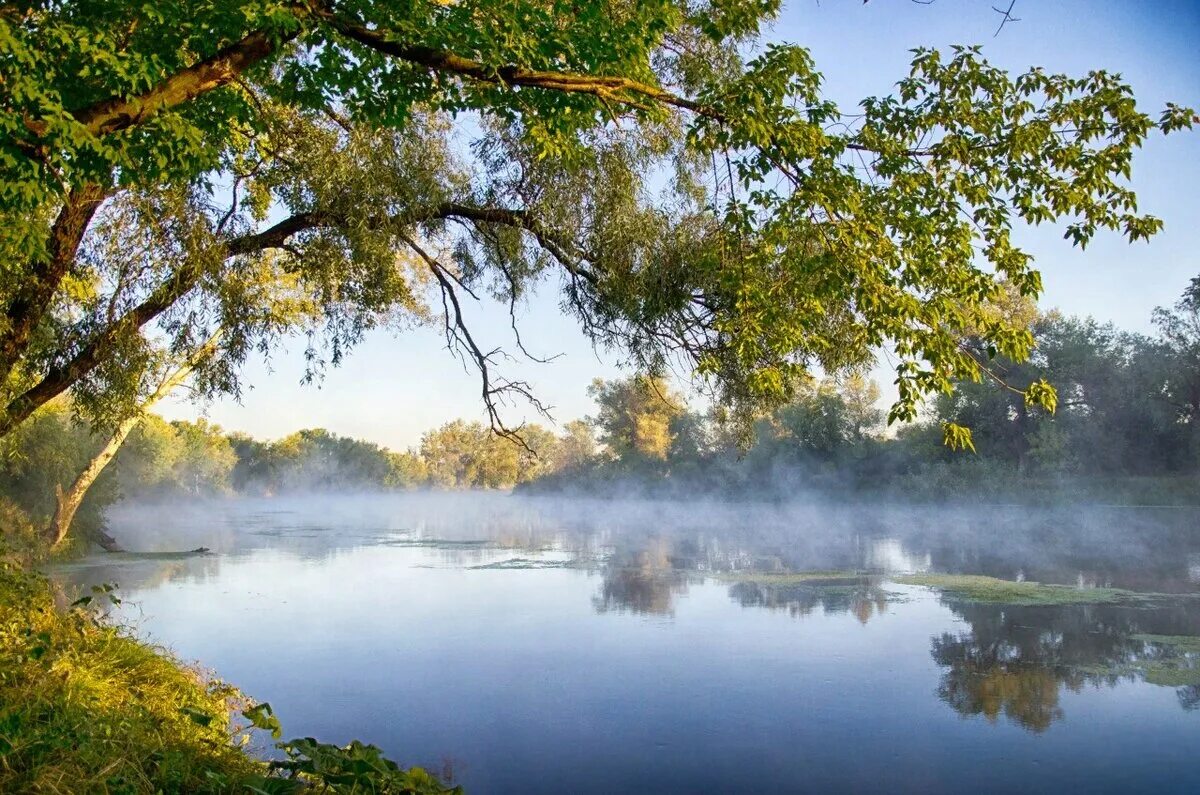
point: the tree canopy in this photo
(261, 167)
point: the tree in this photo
(44, 453)
(408, 470)
(824, 422)
(634, 417)
(317, 459)
(576, 447)
(792, 235)
(467, 455)
(1116, 413)
(68, 501)
(1180, 330)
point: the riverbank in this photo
(87, 707)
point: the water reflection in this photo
(1144, 549)
(136, 572)
(642, 581)
(865, 598)
(518, 635)
(1015, 661)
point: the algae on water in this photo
(978, 588)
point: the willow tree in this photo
(68, 501)
(694, 202)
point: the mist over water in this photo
(1154, 548)
(520, 644)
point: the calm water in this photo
(521, 646)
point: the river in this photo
(517, 645)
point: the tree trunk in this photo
(43, 276)
(68, 501)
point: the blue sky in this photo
(395, 385)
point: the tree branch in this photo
(120, 113)
(33, 298)
(62, 377)
(457, 334)
(609, 88)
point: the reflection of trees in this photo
(865, 599)
(134, 572)
(1143, 550)
(641, 581)
(1025, 694)
(1015, 660)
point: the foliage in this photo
(318, 459)
(354, 768)
(19, 538)
(269, 168)
(1179, 328)
(45, 453)
(1123, 429)
(576, 447)
(85, 707)
(634, 416)
(468, 455)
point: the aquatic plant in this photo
(978, 588)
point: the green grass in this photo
(86, 707)
(1182, 644)
(978, 588)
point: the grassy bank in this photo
(967, 587)
(978, 588)
(86, 707)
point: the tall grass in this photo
(84, 707)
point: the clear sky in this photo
(395, 385)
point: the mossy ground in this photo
(978, 588)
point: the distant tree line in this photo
(1127, 417)
(191, 459)
(1128, 411)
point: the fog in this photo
(1153, 548)
(609, 641)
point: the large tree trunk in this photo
(68, 501)
(31, 301)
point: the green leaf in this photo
(261, 716)
(198, 716)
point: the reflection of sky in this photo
(889, 556)
(518, 680)
(1146, 549)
